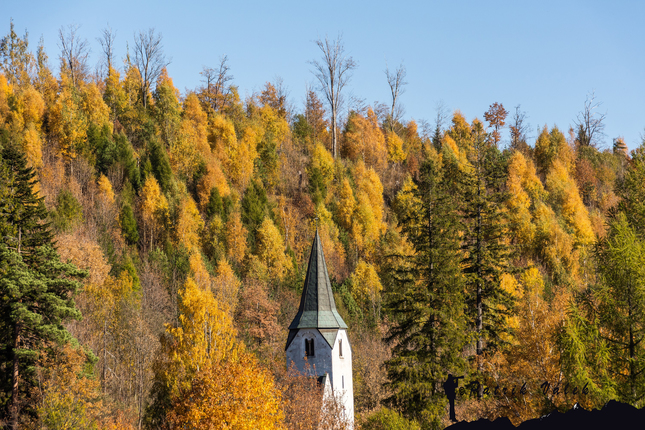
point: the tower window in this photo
(340, 347)
(309, 348)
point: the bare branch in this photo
(215, 93)
(333, 72)
(107, 45)
(590, 124)
(149, 59)
(519, 127)
(74, 54)
(396, 81)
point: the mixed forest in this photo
(154, 245)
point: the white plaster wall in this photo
(321, 363)
(342, 367)
(326, 360)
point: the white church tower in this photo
(319, 333)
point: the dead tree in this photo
(215, 93)
(74, 54)
(333, 72)
(396, 81)
(149, 59)
(590, 123)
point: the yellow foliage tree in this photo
(330, 239)
(105, 188)
(230, 394)
(460, 132)
(242, 158)
(222, 138)
(196, 118)
(198, 271)
(525, 189)
(68, 397)
(271, 249)
(534, 356)
(68, 122)
(226, 285)
(93, 105)
(552, 146)
(395, 151)
(564, 193)
(347, 205)
(189, 224)
(363, 139)
(369, 210)
(274, 124)
(320, 170)
(214, 177)
(366, 286)
(235, 238)
(205, 336)
(554, 246)
(154, 207)
(5, 92)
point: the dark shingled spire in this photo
(317, 306)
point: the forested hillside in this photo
(154, 247)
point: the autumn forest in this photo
(154, 246)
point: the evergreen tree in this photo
(161, 166)
(426, 300)
(632, 191)
(486, 254)
(621, 307)
(25, 216)
(37, 289)
(254, 209)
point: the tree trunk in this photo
(15, 375)
(479, 322)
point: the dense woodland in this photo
(154, 246)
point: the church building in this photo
(319, 333)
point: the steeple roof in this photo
(317, 305)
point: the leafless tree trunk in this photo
(107, 45)
(215, 93)
(333, 72)
(149, 59)
(519, 127)
(396, 81)
(590, 124)
(74, 54)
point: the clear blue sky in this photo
(544, 55)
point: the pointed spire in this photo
(317, 305)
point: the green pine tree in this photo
(37, 289)
(426, 299)
(486, 253)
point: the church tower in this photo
(319, 333)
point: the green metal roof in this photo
(317, 306)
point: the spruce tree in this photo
(485, 249)
(37, 289)
(426, 300)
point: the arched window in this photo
(309, 348)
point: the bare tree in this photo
(333, 72)
(590, 123)
(215, 93)
(149, 59)
(519, 127)
(439, 122)
(107, 45)
(74, 54)
(396, 81)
